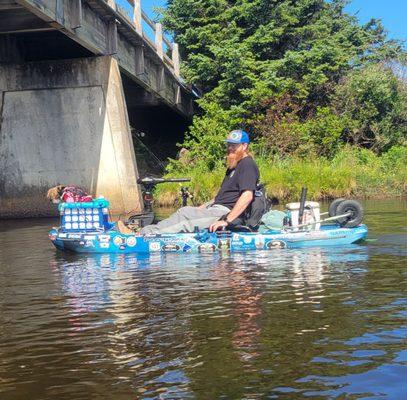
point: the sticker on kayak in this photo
(259, 243)
(316, 235)
(104, 245)
(118, 240)
(187, 248)
(104, 238)
(276, 244)
(74, 236)
(131, 241)
(154, 246)
(224, 244)
(206, 248)
(171, 247)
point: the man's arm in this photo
(242, 203)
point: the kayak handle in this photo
(321, 220)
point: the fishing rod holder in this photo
(148, 184)
(185, 195)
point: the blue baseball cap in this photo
(238, 136)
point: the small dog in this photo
(55, 193)
(67, 194)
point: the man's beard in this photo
(232, 159)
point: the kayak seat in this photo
(249, 221)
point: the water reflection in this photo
(186, 319)
(97, 281)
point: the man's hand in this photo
(218, 224)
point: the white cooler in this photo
(311, 213)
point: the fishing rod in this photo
(138, 135)
(150, 182)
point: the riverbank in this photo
(351, 173)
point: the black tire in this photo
(353, 207)
(333, 206)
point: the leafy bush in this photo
(395, 158)
(375, 102)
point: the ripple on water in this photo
(284, 324)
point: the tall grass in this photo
(353, 172)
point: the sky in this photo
(148, 5)
(393, 13)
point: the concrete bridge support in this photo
(64, 122)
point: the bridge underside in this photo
(156, 128)
(64, 122)
(70, 116)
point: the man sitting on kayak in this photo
(235, 195)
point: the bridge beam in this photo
(64, 122)
(98, 27)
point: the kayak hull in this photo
(112, 241)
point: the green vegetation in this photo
(353, 172)
(315, 89)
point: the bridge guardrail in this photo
(137, 18)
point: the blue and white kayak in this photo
(85, 228)
(112, 241)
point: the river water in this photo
(283, 324)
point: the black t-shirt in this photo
(244, 177)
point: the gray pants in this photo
(186, 218)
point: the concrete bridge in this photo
(77, 77)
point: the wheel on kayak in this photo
(356, 213)
(333, 206)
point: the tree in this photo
(247, 54)
(375, 103)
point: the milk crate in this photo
(85, 217)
